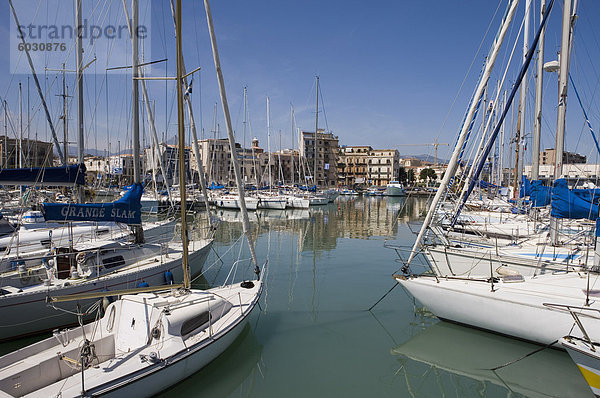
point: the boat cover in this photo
(127, 209)
(539, 194)
(52, 176)
(566, 204)
(525, 187)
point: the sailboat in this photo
(90, 266)
(532, 307)
(270, 199)
(144, 342)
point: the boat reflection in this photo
(447, 357)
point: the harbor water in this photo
(313, 334)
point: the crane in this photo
(435, 146)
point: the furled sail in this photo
(127, 209)
(566, 204)
(49, 176)
(539, 194)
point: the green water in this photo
(315, 337)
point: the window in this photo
(112, 262)
(194, 323)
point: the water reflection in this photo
(240, 365)
(449, 357)
(320, 228)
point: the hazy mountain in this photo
(426, 158)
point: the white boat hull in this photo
(234, 202)
(514, 309)
(271, 203)
(26, 313)
(132, 360)
(298, 203)
(586, 359)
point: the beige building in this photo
(169, 156)
(548, 156)
(364, 165)
(383, 166)
(353, 164)
(326, 160)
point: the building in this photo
(216, 160)
(34, 154)
(169, 156)
(574, 173)
(548, 157)
(383, 166)
(326, 145)
(364, 165)
(352, 164)
(285, 166)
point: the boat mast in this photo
(292, 133)
(20, 127)
(79, 77)
(453, 164)
(5, 165)
(181, 135)
(537, 122)
(269, 144)
(563, 80)
(521, 112)
(188, 102)
(65, 117)
(244, 135)
(38, 87)
(236, 165)
(316, 133)
(563, 76)
(138, 232)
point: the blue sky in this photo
(390, 71)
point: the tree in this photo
(402, 175)
(428, 174)
(411, 176)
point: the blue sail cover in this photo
(525, 187)
(539, 194)
(486, 185)
(589, 195)
(307, 188)
(566, 204)
(213, 185)
(49, 176)
(127, 209)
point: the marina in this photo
(314, 322)
(277, 249)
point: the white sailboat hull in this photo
(25, 313)
(297, 202)
(132, 359)
(271, 203)
(233, 202)
(513, 309)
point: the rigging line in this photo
(493, 136)
(523, 357)
(323, 106)
(469, 69)
(587, 119)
